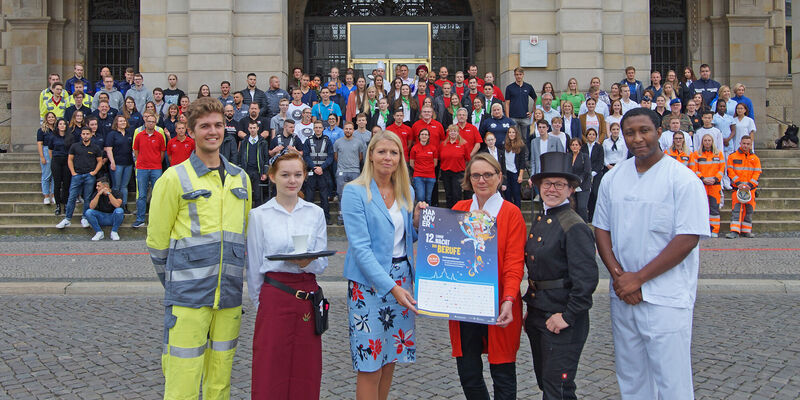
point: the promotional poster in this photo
(456, 268)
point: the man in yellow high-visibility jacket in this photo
(196, 238)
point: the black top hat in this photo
(556, 164)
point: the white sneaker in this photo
(114, 235)
(79, 200)
(63, 224)
(98, 236)
(52, 200)
(46, 200)
(85, 223)
(714, 235)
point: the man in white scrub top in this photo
(649, 218)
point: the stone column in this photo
(636, 43)
(795, 60)
(580, 29)
(210, 47)
(153, 27)
(28, 58)
(260, 34)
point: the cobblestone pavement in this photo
(745, 347)
(24, 259)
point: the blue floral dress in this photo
(381, 330)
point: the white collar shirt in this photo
(643, 213)
(492, 205)
(612, 154)
(269, 231)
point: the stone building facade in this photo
(208, 41)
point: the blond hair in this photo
(713, 145)
(400, 180)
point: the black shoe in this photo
(58, 209)
(732, 235)
(125, 210)
(340, 223)
(328, 221)
(748, 235)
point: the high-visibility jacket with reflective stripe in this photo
(50, 106)
(708, 165)
(681, 156)
(196, 234)
(44, 95)
(744, 168)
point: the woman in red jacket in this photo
(453, 157)
(500, 341)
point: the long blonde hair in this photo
(713, 145)
(400, 180)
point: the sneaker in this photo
(138, 224)
(52, 200)
(46, 200)
(748, 235)
(714, 235)
(85, 223)
(58, 210)
(114, 235)
(732, 235)
(63, 224)
(79, 200)
(98, 236)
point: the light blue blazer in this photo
(370, 236)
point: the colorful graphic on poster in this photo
(456, 268)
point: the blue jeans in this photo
(47, 174)
(119, 180)
(513, 191)
(81, 184)
(97, 219)
(423, 188)
(144, 178)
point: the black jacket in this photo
(373, 119)
(561, 246)
(597, 158)
(262, 148)
(260, 98)
(229, 149)
(466, 100)
(583, 168)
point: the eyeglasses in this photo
(486, 176)
(557, 185)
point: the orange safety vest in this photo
(744, 168)
(681, 156)
(708, 165)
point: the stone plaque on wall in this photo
(533, 55)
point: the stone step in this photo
(19, 176)
(791, 191)
(27, 156)
(787, 172)
(766, 183)
(44, 219)
(774, 153)
(780, 162)
(20, 165)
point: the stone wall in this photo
(585, 38)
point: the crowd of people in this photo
(382, 147)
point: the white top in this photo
(269, 231)
(510, 158)
(304, 131)
(611, 119)
(644, 213)
(561, 136)
(592, 122)
(714, 132)
(590, 148)
(548, 115)
(399, 230)
(493, 152)
(612, 156)
(665, 140)
(600, 108)
(630, 105)
(743, 127)
(723, 123)
(296, 112)
(492, 205)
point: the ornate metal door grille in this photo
(668, 44)
(325, 42)
(113, 37)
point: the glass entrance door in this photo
(392, 43)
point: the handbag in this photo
(319, 304)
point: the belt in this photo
(546, 285)
(396, 260)
(298, 294)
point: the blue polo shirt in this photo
(310, 97)
(322, 112)
(499, 127)
(517, 97)
(333, 134)
(121, 146)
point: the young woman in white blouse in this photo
(284, 328)
(745, 126)
(616, 114)
(614, 148)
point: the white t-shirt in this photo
(715, 133)
(630, 105)
(743, 127)
(611, 119)
(396, 213)
(592, 122)
(510, 165)
(665, 140)
(296, 112)
(304, 131)
(644, 213)
(601, 108)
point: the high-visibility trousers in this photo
(742, 213)
(714, 193)
(199, 345)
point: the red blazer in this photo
(503, 342)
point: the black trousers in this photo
(61, 178)
(555, 357)
(452, 187)
(319, 182)
(593, 195)
(255, 185)
(470, 367)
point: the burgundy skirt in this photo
(287, 354)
